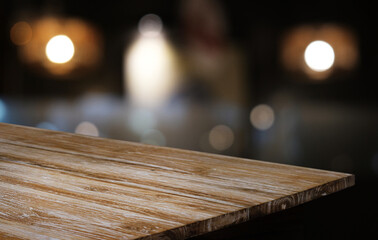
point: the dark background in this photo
(335, 123)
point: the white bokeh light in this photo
(262, 117)
(221, 137)
(150, 71)
(150, 25)
(319, 56)
(60, 49)
(87, 128)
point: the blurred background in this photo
(280, 82)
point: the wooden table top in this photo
(66, 186)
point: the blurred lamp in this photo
(58, 47)
(150, 65)
(319, 51)
(319, 56)
(150, 25)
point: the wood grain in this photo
(65, 186)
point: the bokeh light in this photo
(319, 51)
(3, 110)
(262, 117)
(150, 25)
(60, 49)
(21, 33)
(319, 56)
(151, 71)
(87, 128)
(76, 51)
(221, 137)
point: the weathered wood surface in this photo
(65, 186)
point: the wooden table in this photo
(65, 186)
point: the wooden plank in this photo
(66, 186)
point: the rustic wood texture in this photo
(65, 186)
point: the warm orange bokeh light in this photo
(341, 39)
(21, 33)
(86, 54)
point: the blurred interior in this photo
(283, 82)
